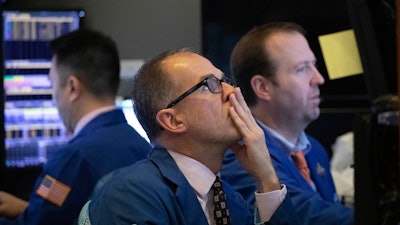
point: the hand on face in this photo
(252, 151)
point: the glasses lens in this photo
(214, 85)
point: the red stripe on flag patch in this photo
(53, 190)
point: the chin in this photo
(232, 135)
(314, 116)
(238, 138)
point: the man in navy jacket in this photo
(85, 78)
(276, 70)
(192, 114)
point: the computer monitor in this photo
(126, 106)
(33, 129)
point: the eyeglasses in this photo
(214, 85)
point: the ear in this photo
(168, 120)
(74, 87)
(261, 86)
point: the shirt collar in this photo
(90, 116)
(198, 175)
(303, 144)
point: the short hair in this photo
(249, 56)
(92, 57)
(152, 90)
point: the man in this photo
(276, 70)
(192, 115)
(85, 77)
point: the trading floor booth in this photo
(376, 161)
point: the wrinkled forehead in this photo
(189, 68)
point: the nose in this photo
(227, 89)
(317, 77)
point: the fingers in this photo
(252, 153)
(238, 102)
(241, 114)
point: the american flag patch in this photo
(53, 190)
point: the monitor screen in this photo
(33, 129)
(127, 108)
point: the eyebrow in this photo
(314, 61)
(305, 63)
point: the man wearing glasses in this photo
(192, 132)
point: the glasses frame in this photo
(197, 86)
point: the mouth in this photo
(317, 99)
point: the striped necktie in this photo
(301, 164)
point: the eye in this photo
(301, 69)
(204, 88)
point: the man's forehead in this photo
(182, 58)
(189, 64)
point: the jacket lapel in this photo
(185, 195)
